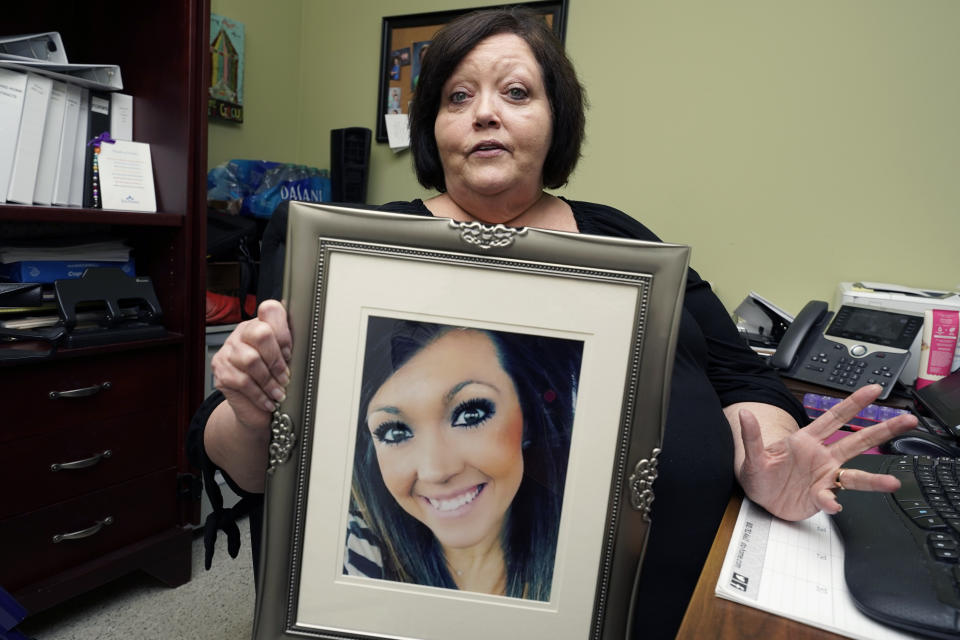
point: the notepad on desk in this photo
(794, 570)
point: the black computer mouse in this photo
(921, 443)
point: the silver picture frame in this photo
(619, 299)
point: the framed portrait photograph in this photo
(468, 447)
(405, 39)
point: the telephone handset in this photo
(813, 314)
(862, 345)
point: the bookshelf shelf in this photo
(156, 384)
(18, 213)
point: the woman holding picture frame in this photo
(498, 117)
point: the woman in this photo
(498, 117)
(461, 456)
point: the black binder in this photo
(98, 122)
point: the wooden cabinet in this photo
(96, 482)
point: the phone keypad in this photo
(847, 371)
(833, 366)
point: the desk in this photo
(708, 616)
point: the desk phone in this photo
(861, 345)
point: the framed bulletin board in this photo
(404, 39)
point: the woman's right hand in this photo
(251, 367)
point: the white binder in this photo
(106, 77)
(68, 146)
(79, 151)
(12, 86)
(46, 46)
(121, 116)
(26, 157)
(50, 145)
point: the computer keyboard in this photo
(901, 550)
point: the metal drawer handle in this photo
(80, 393)
(80, 464)
(83, 533)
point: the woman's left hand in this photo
(795, 477)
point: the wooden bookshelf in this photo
(130, 509)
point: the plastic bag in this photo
(256, 187)
(287, 182)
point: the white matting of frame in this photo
(600, 314)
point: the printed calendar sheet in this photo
(795, 570)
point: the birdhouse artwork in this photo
(226, 69)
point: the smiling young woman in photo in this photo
(461, 455)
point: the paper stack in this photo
(61, 261)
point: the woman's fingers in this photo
(859, 480)
(842, 412)
(856, 443)
(251, 365)
(239, 368)
(846, 479)
(273, 314)
(826, 501)
(752, 437)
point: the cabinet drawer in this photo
(89, 455)
(41, 396)
(136, 509)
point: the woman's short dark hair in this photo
(545, 372)
(457, 39)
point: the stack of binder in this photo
(49, 110)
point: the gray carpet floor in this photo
(215, 605)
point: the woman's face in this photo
(447, 428)
(494, 123)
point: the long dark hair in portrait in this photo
(545, 374)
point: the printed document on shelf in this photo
(126, 177)
(794, 570)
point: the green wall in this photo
(272, 85)
(793, 144)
